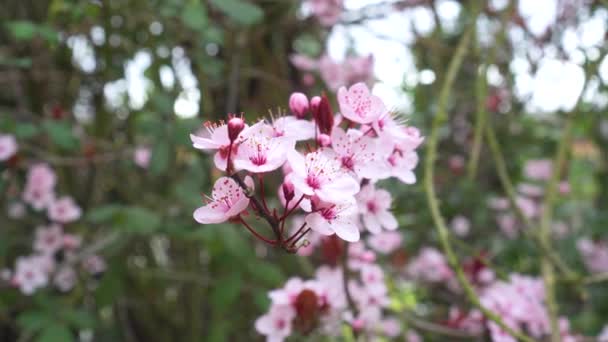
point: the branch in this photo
(431, 155)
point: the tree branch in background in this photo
(431, 155)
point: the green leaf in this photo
(194, 15)
(26, 130)
(79, 319)
(103, 214)
(226, 291)
(55, 333)
(22, 30)
(160, 158)
(111, 285)
(241, 11)
(33, 321)
(61, 134)
(139, 220)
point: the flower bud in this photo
(323, 140)
(298, 104)
(323, 115)
(235, 127)
(288, 190)
(314, 103)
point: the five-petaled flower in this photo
(227, 200)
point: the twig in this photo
(431, 155)
(437, 328)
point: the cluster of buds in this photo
(328, 165)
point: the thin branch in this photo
(435, 328)
(431, 155)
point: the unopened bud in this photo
(314, 104)
(323, 115)
(298, 104)
(236, 125)
(288, 190)
(323, 140)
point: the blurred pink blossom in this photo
(8, 146)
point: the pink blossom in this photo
(94, 264)
(372, 278)
(291, 127)
(227, 200)
(359, 105)
(261, 150)
(595, 255)
(215, 138)
(8, 146)
(141, 157)
(329, 218)
(391, 327)
(402, 165)
(460, 225)
(530, 190)
(303, 62)
(326, 11)
(31, 273)
(359, 256)
(374, 207)
(413, 336)
(520, 302)
(64, 210)
(430, 266)
(320, 173)
(49, 239)
(332, 73)
(65, 279)
(39, 187)
(539, 169)
(508, 225)
(385, 242)
(276, 324)
(360, 154)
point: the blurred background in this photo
(107, 92)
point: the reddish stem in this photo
(293, 208)
(293, 244)
(256, 234)
(296, 233)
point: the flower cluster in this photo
(39, 193)
(54, 260)
(520, 302)
(323, 304)
(329, 164)
(352, 70)
(55, 256)
(529, 198)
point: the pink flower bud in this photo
(298, 104)
(235, 127)
(323, 140)
(314, 103)
(323, 114)
(288, 190)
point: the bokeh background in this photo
(107, 93)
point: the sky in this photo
(554, 86)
